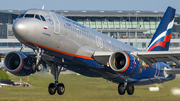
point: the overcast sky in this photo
(137, 5)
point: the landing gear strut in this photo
(53, 87)
(126, 86)
(38, 58)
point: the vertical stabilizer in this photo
(162, 36)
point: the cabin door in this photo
(56, 23)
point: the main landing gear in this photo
(126, 86)
(53, 87)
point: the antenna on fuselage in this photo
(43, 7)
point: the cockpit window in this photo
(37, 17)
(29, 16)
(21, 15)
(42, 18)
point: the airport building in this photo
(132, 27)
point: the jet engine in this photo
(124, 63)
(18, 64)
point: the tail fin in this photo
(162, 36)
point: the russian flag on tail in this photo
(162, 36)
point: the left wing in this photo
(145, 58)
(158, 56)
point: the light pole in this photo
(136, 27)
(129, 27)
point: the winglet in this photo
(162, 36)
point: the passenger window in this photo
(42, 18)
(29, 16)
(37, 17)
(21, 15)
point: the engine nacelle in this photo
(124, 63)
(18, 64)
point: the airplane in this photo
(60, 42)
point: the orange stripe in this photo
(127, 65)
(20, 67)
(148, 65)
(80, 56)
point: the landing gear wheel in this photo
(60, 89)
(121, 89)
(55, 71)
(51, 89)
(130, 89)
(38, 68)
(33, 68)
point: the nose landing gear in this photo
(37, 63)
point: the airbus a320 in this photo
(60, 42)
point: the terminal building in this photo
(135, 28)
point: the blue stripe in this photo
(167, 18)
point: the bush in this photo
(3, 75)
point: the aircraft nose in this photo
(19, 28)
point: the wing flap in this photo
(158, 56)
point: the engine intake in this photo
(124, 63)
(18, 64)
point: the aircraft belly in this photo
(91, 68)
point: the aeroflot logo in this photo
(166, 35)
(49, 20)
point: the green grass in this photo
(3, 74)
(81, 88)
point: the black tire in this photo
(130, 89)
(121, 89)
(51, 89)
(38, 68)
(33, 68)
(60, 89)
